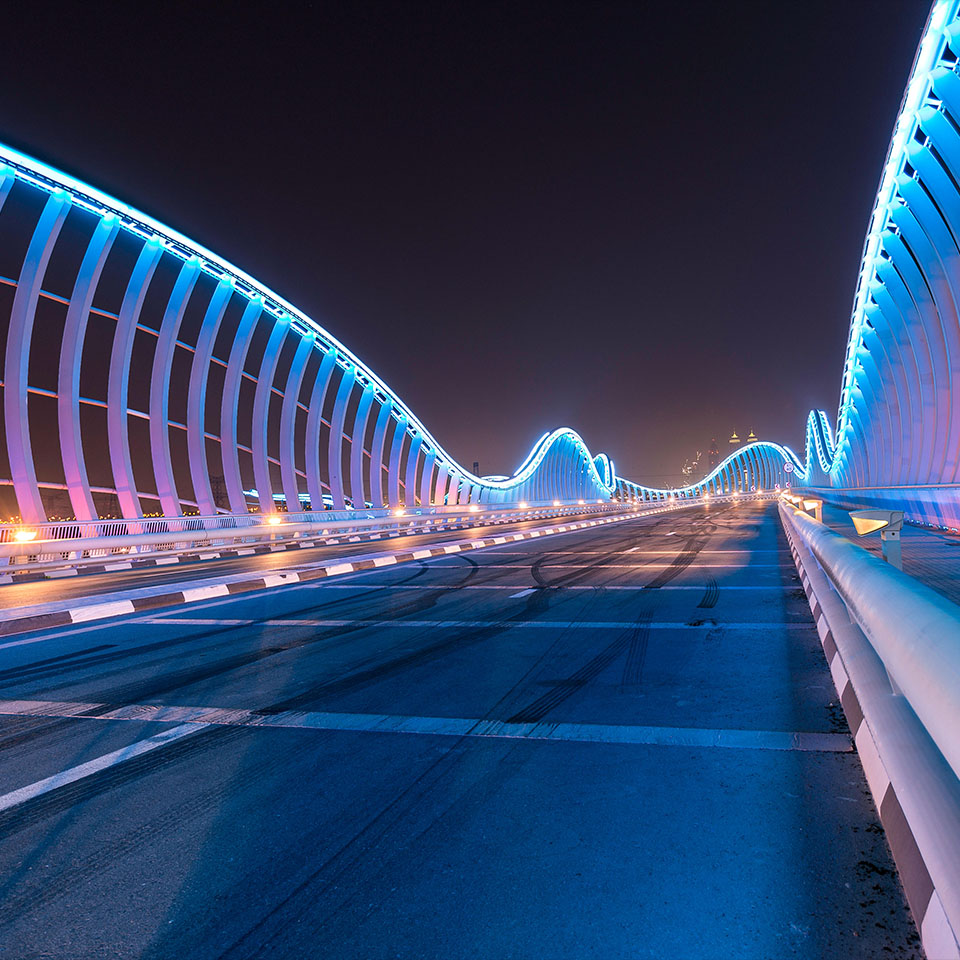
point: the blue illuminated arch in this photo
(322, 428)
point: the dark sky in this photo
(640, 220)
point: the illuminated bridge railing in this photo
(25, 548)
(144, 376)
(897, 441)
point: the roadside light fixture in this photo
(556, 503)
(473, 508)
(399, 513)
(889, 523)
(523, 504)
(579, 501)
(25, 536)
(813, 505)
(274, 520)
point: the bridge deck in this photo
(622, 742)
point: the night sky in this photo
(643, 221)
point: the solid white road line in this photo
(627, 566)
(91, 767)
(194, 717)
(322, 584)
(747, 551)
(705, 624)
(523, 593)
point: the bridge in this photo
(280, 676)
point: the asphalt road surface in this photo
(28, 591)
(618, 742)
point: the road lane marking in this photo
(627, 566)
(512, 586)
(522, 593)
(704, 624)
(56, 614)
(33, 790)
(646, 553)
(194, 717)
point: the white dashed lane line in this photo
(88, 769)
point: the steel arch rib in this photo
(261, 416)
(118, 382)
(288, 423)
(23, 470)
(410, 481)
(160, 378)
(335, 440)
(318, 395)
(197, 397)
(357, 435)
(375, 474)
(230, 401)
(396, 453)
(68, 378)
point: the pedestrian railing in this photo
(24, 547)
(71, 543)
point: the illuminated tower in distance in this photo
(713, 453)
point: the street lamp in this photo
(889, 523)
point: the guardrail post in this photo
(890, 545)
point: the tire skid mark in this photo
(30, 732)
(634, 642)
(539, 708)
(696, 542)
(82, 659)
(142, 691)
(376, 669)
(32, 812)
(326, 890)
(52, 663)
(637, 652)
(711, 595)
(50, 888)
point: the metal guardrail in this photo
(914, 630)
(70, 542)
(897, 647)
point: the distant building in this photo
(714, 453)
(752, 438)
(734, 439)
(690, 466)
